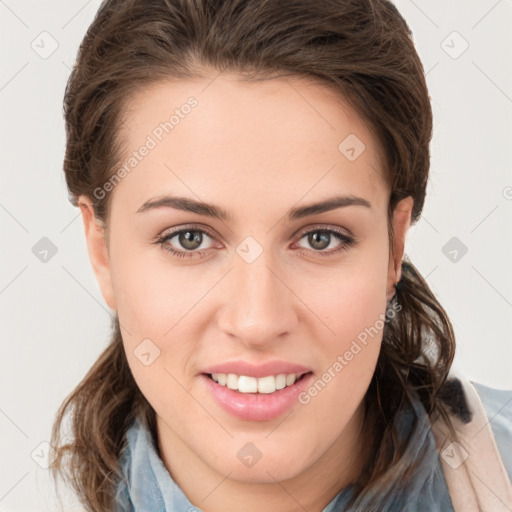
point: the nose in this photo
(259, 305)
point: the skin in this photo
(256, 149)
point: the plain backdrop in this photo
(53, 318)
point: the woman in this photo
(247, 174)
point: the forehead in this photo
(257, 140)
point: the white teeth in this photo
(245, 384)
(281, 381)
(265, 384)
(232, 381)
(290, 379)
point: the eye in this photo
(322, 238)
(187, 242)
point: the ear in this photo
(401, 223)
(97, 247)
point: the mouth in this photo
(256, 399)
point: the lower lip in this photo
(257, 406)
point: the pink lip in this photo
(257, 406)
(257, 370)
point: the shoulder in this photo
(497, 404)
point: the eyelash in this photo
(349, 241)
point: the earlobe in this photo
(401, 225)
(97, 249)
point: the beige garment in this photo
(472, 466)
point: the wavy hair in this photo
(362, 49)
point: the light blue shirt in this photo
(150, 488)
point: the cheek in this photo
(354, 311)
(354, 300)
(152, 295)
(352, 351)
(360, 310)
(152, 305)
(356, 319)
(159, 344)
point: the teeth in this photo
(290, 379)
(281, 381)
(245, 384)
(266, 384)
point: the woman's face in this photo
(253, 286)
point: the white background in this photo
(53, 318)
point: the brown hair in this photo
(364, 50)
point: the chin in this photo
(272, 464)
(261, 473)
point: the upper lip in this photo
(257, 370)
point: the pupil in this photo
(319, 240)
(190, 239)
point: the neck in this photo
(313, 489)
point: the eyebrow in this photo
(210, 210)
